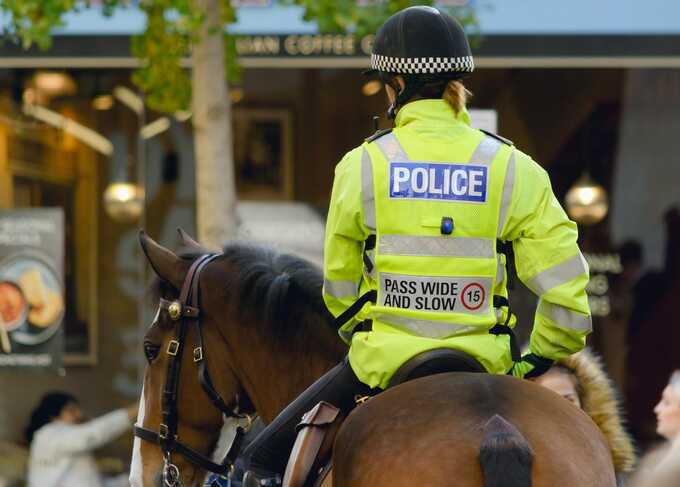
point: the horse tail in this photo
(505, 455)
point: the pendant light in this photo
(587, 201)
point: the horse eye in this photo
(151, 351)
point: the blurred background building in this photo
(586, 88)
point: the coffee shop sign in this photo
(307, 45)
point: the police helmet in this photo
(423, 45)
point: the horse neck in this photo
(275, 373)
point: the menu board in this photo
(31, 287)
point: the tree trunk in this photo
(215, 188)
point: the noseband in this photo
(186, 312)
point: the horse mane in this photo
(279, 293)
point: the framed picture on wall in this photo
(263, 154)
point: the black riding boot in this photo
(266, 457)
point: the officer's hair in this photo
(456, 95)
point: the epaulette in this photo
(498, 137)
(378, 134)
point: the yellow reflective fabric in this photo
(436, 290)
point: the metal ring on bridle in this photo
(170, 474)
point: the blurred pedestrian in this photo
(61, 442)
(581, 379)
(661, 467)
(654, 334)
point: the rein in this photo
(185, 311)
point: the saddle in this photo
(310, 462)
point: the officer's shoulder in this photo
(351, 159)
(526, 165)
(378, 134)
(499, 138)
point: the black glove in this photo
(531, 366)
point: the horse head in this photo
(199, 422)
(266, 335)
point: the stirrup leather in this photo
(313, 446)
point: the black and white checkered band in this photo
(388, 64)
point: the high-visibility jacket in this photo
(417, 214)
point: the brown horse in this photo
(267, 335)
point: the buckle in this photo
(198, 354)
(163, 431)
(173, 347)
(175, 310)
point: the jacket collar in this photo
(430, 112)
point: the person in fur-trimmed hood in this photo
(582, 380)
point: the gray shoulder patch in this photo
(378, 134)
(498, 137)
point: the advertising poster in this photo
(31, 287)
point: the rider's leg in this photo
(269, 451)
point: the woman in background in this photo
(661, 466)
(580, 378)
(62, 443)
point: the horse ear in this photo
(163, 261)
(189, 244)
(186, 240)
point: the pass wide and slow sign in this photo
(435, 294)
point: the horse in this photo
(267, 335)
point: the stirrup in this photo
(261, 479)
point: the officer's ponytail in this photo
(456, 95)
(426, 86)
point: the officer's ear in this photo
(393, 87)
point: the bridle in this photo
(185, 311)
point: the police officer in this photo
(419, 218)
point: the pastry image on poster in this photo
(32, 293)
(31, 298)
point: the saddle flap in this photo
(314, 444)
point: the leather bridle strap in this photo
(169, 417)
(193, 456)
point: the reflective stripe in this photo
(500, 271)
(367, 195)
(391, 148)
(557, 275)
(346, 335)
(436, 246)
(565, 317)
(508, 185)
(486, 151)
(340, 289)
(425, 328)
(371, 256)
